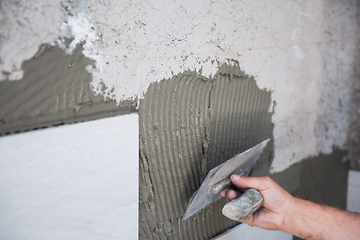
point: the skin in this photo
(301, 218)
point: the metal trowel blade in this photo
(240, 164)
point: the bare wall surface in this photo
(55, 89)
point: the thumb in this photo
(259, 183)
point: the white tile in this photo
(77, 181)
(245, 232)
(353, 195)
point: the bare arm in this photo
(313, 221)
(299, 217)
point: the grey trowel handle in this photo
(244, 206)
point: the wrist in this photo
(302, 219)
(290, 215)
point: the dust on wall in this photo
(303, 51)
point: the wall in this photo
(63, 62)
(300, 50)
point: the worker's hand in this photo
(277, 202)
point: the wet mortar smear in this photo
(55, 90)
(190, 124)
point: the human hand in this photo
(277, 202)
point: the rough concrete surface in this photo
(303, 51)
(55, 89)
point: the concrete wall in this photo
(63, 62)
(302, 51)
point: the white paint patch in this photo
(353, 193)
(302, 51)
(77, 181)
(245, 232)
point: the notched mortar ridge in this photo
(55, 90)
(204, 224)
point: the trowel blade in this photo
(240, 164)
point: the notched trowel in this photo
(218, 179)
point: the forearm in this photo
(313, 221)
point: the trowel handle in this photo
(243, 206)
(226, 182)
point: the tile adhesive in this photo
(190, 124)
(55, 90)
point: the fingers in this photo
(223, 192)
(230, 194)
(259, 183)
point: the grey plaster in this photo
(321, 179)
(188, 125)
(55, 90)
